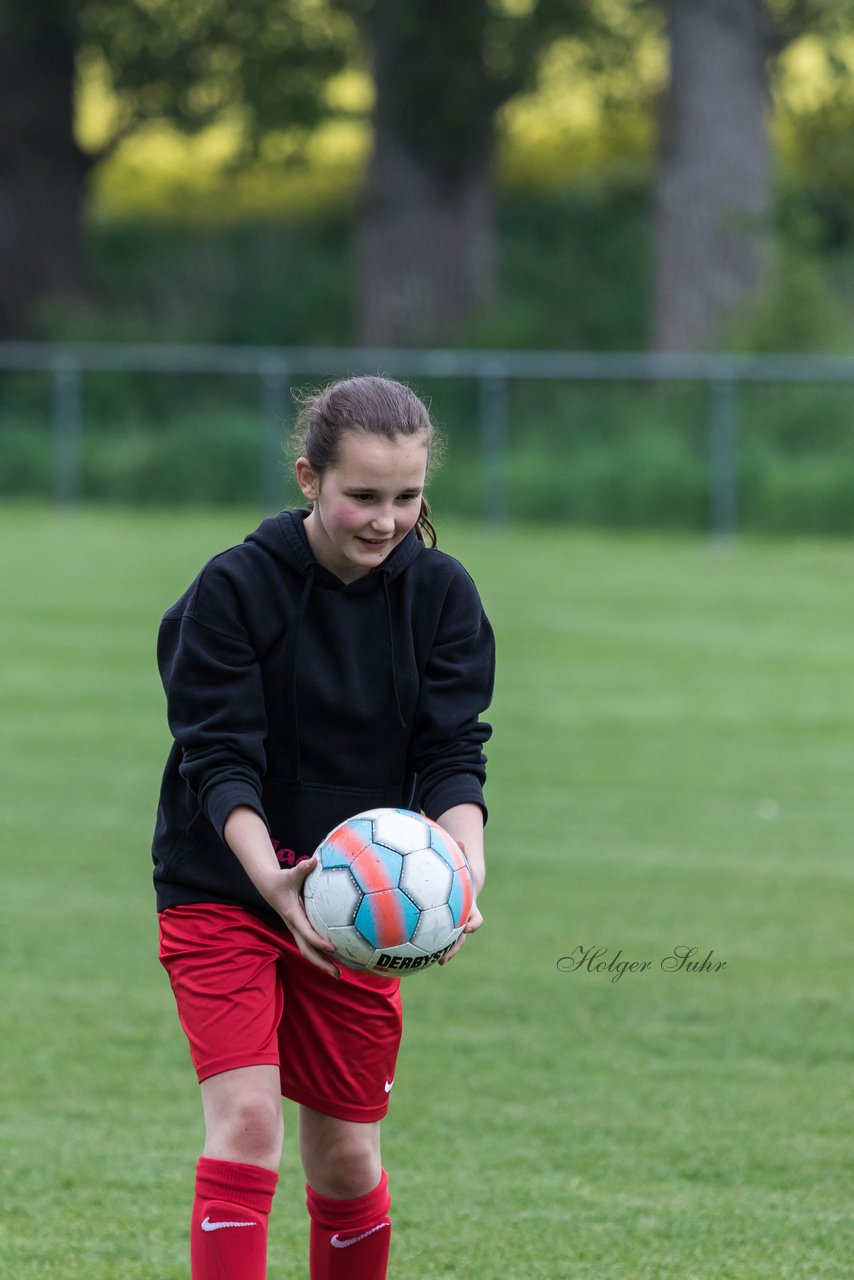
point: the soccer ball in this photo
(391, 889)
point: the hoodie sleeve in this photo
(215, 702)
(456, 688)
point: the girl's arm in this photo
(448, 734)
(465, 823)
(246, 835)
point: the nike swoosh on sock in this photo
(207, 1225)
(345, 1244)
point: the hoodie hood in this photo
(284, 537)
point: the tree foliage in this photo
(267, 63)
(264, 62)
(790, 19)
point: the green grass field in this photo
(672, 766)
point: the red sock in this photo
(349, 1238)
(228, 1235)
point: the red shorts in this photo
(247, 997)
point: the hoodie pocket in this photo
(301, 814)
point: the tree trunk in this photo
(712, 194)
(425, 246)
(42, 170)
(426, 240)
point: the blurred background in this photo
(605, 176)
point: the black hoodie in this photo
(309, 699)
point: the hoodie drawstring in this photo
(388, 615)
(291, 666)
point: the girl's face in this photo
(366, 504)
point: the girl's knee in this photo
(348, 1174)
(249, 1132)
(341, 1159)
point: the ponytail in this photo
(424, 525)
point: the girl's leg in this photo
(236, 1177)
(347, 1197)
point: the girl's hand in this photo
(247, 836)
(475, 919)
(471, 925)
(285, 896)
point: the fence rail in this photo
(492, 370)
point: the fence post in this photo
(723, 458)
(492, 383)
(66, 417)
(274, 410)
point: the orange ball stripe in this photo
(466, 885)
(389, 921)
(386, 907)
(348, 842)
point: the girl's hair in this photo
(375, 406)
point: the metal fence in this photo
(274, 369)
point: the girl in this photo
(333, 662)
